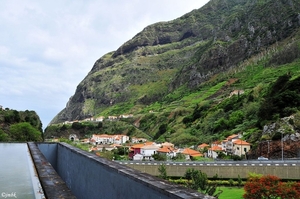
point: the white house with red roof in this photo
(213, 151)
(190, 153)
(148, 150)
(202, 146)
(109, 139)
(240, 147)
(227, 144)
(167, 150)
(136, 149)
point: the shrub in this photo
(270, 187)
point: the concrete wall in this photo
(89, 176)
(283, 171)
(53, 186)
(50, 152)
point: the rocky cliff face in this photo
(182, 52)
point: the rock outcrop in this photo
(185, 51)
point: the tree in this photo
(197, 180)
(159, 157)
(162, 129)
(77, 125)
(3, 136)
(24, 132)
(162, 171)
(240, 182)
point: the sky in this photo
(48, 47)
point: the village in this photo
(143, 149)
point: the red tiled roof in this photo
(203, 145)
(241, 142)
(215, 148)
(191, 152)
(136, 146)
(167, 144)
(231, 136)
(165, 149)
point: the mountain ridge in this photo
(168, 61)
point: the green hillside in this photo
(176, 78)
(20, 126)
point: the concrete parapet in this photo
(53, 186)
(90, 176)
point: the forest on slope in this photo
(20, 126)
(176, 78)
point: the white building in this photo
(138, 140)
(99, 119)
(138, 157)
(148, 150)
(110, 139)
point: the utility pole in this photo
(282, 146)
(268, 149)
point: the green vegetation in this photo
(162, 171)
(177, 82)
(197, 180)
(258, 186)
(20, 126)
(231, 192)
(222, 189)
(214, 115)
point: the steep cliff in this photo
(180, 55)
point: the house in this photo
(138, 157)
(89, 119)
(227, 144)
(103, 139)
(240, 147)
(136, 149)
(236, 92)
(99, 119)
(111, 118)
(67, 122)
(148, 150)
(138, 140)
(202, 146)
(168, 144)
(213, 151)
(215, 148)
(109, 139)
(85, 141)
(121, 139)
(103, 147)
(190, 153)
(170, 152)
(126, 116)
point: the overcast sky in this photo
(48, 47)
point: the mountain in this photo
(176, 77)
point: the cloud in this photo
(48, 47)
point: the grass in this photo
(231, 192)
